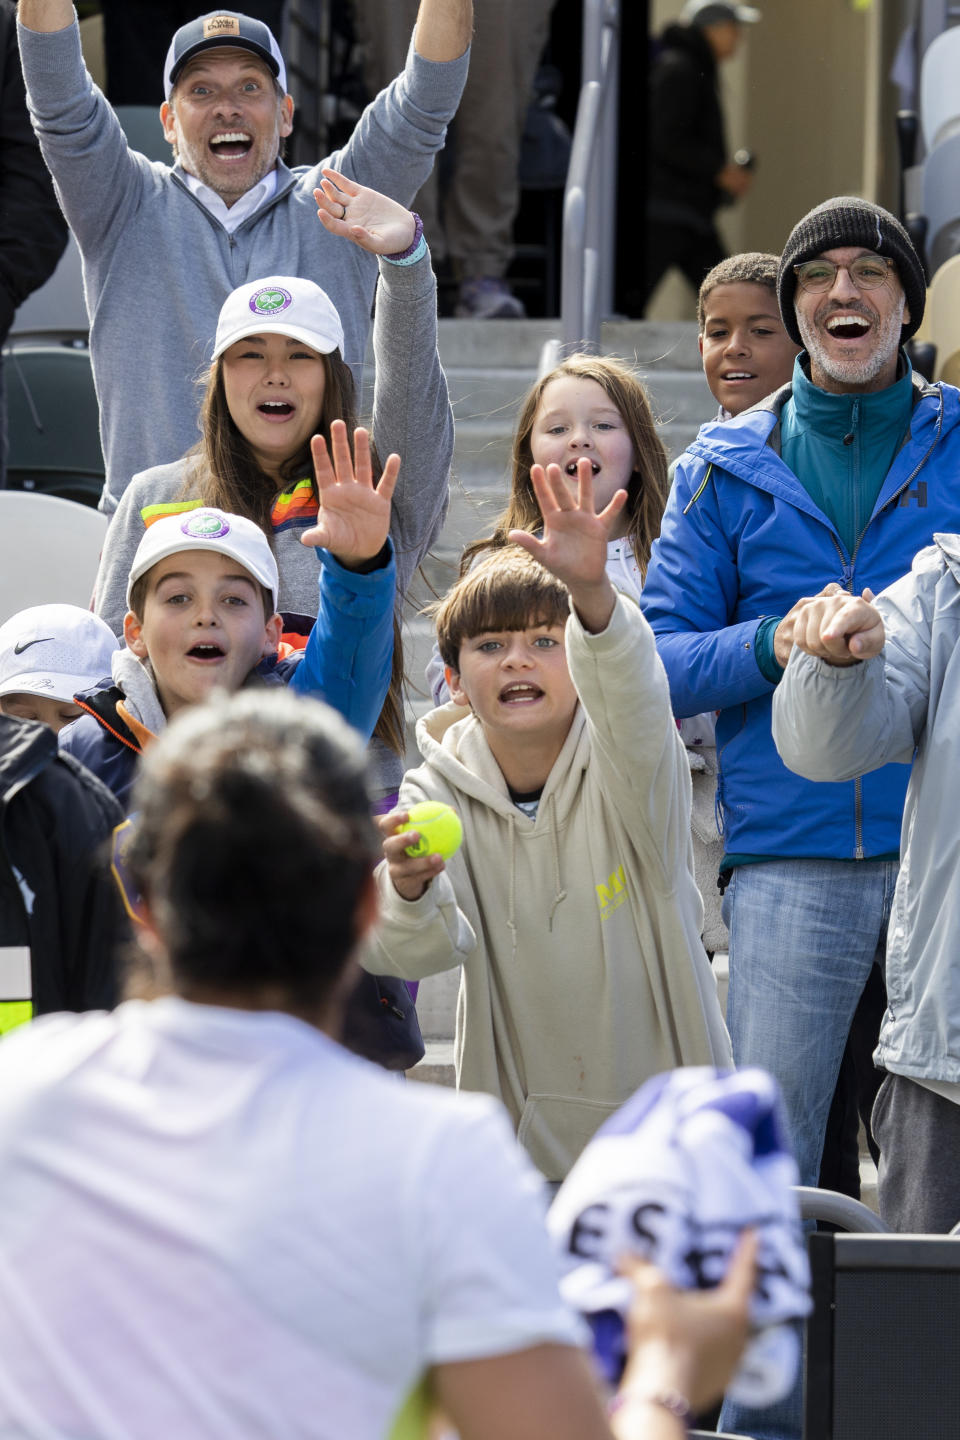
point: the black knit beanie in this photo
(845, 221)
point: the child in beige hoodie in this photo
(571, 904)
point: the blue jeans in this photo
(804, 935)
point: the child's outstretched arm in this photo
(354, 516)
(371, 220)
(574, 542)
(348, 656)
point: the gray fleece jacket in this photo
(157, 265)
(832, 723)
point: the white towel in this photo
(693, 1158)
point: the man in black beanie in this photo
(840, 476)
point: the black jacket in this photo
(687, 144)
(57, 894)
(33, 232)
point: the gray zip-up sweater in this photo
(157, 265)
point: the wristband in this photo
(414, 250)
(670, 1400)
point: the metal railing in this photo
(589, 200)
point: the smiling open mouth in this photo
(206, 652)
(738, 375)
(520, 694)
(848, 327)
(231, 143)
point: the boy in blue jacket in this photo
(202, 615)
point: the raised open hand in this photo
(575, 537)
(371, 220)
(354, 517)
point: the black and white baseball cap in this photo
(218, 30)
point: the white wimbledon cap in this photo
(208, 529)
(280, 305)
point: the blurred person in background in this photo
(691, 175)
(470, 202)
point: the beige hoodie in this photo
(578, 932)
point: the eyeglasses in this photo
(868, 272)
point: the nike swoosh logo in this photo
(19, 648)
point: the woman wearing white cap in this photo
(277, 378)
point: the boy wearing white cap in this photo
(47, 654)
(202, 615)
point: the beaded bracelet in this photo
(414, 250)
(669, 1400)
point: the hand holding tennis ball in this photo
(438, 826)
(412, 866)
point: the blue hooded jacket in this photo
(742, 540)
(346, 662)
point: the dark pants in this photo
(918, 1132)
(693, 252)
(857, 1086)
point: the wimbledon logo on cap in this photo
(205, 525)
(271, 301)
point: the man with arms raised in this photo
(163, 245)
(842, 475)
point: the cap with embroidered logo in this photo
(208, 529)
(280, 305)
(54, 651)
(218, 30)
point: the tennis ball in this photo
(439, 827)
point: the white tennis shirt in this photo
(216, 1223)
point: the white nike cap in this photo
(55, 651)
